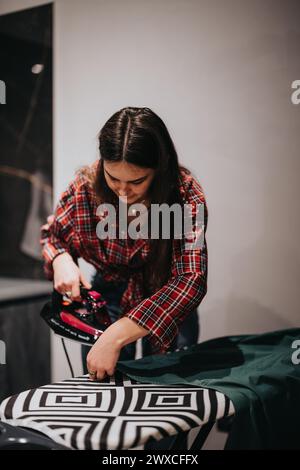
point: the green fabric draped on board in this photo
(259, 373)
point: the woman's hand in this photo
(102, 357)
(67, 276)
(104, 354)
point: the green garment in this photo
(255, 371)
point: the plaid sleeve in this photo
(163, 312)
(57, 237)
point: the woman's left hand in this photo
(102, 358)
(104, 354)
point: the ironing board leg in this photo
(202, 436)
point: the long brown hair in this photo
(140, 137)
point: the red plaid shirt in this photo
(74, 231)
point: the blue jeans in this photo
(112, 293)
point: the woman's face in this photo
(126, 179)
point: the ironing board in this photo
(118, 413)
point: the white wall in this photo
(219, 74)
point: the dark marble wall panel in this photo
(25, 138)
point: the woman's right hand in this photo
(67, 276)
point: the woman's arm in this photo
(124, 331)
(57, 235)
(157, 316)
(58, 249)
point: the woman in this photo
(153, 285)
